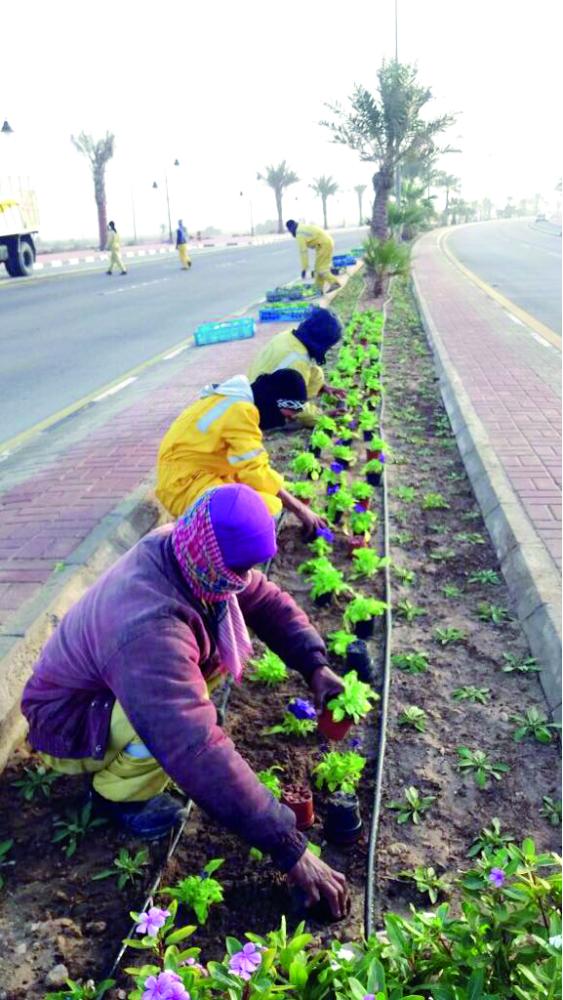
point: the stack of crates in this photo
(224, 330)
(343, 260)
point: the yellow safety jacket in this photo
(286, 351)
(312, 238)
(216, 440)
(114, 242)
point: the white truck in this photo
(19, 223)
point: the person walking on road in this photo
(218, 440)
(114, 247)
(121, 689)
(182, 246)
(317, 239)
(302, 350)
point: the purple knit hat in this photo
(243, 526)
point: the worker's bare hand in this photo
(311, 522)
(335, 393)
(325, 684)
(316, 879)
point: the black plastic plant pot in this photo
(358, 659)
(316, 452)
(374, 478)
(368, 435)
(364, 630)
(344, 463)
(337, 517)
(323, 600)
(343, 823)
(346, 439)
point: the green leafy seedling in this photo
(268, 670)
(82, 991)
(447, 635)
(534, 723)
(406, 576)
(270, 780)
(492, 613)
(36, 780)
(434, 501)
(443, 555)
(451, 590)
(363, 609)
(74, 826)
(354, 702)
(339, 641)
(471, 515)
(470, 693)
(487, 577)
(550, 810)
(411, 663)
(198, 892)
(470, 538)
(405, 493)
(427, 881)
(367, 563)
(291, 726)
(405, 609)
(490, 838)
(127, 868)
(401, 538)
(414, 717)
(477, 762)
(519, 664)
(413, 806)
(340, 772)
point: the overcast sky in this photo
(227, 88)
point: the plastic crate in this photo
(279, 315)
(357, 251)
(294, 294)
(343, 260)
(228, 329)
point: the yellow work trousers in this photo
(115, 261)
(323, 264)
(185, 260)
(202, 481)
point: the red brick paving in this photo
(512, 381)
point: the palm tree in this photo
(98, 153)
(359, 189)
(452, 185)
(387, 130)
(486, 209)
(324, 187)
(278, 178)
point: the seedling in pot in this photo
(367, 423)
(305, 464)
(409, 611)
(339, 503)
(477, 762)
(348, 707)
(326, 424)
(367, 563)
(406, 576)
(305, 491)
(427, 881)
(470, 538)
(362, 493)
(405, 493)
(413, 807)
(470, 693)
(299, 720)
(486, 577)
(373, 471)
(414, 717)
(490, 839)
(344, 455)
(451, 590)
(127, 868)
(434, 501)
(269, 669)
(520, 664)
(74, 826)
(319, 441)
(270, 780)
(339, 641)
(492, 613)
(5, 848)
(340, 772)
(445, 636)
(361, 613)
(362, 522)
(550, 810)
(534, 723)
(35, 780)
(411, 663)
(326, 582)
(198, 892)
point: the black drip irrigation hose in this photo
(369, 899)
(175, 839)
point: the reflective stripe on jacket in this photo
(314, 238)
(286, 351)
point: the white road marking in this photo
(5, 455)
(115, 388)
(173, 354)
(131, 288)
(514, 318)
(540, 340)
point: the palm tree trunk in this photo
(324, 212)
(100, 195)
(280, 210)
(382, 185)
(360, 197)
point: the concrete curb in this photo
(30, 629)
(530, 574)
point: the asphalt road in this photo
(521, 259)
(63, 337)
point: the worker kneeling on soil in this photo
(218, 439)
(317, 239)
(120, 690)
(302, 350)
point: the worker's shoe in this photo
(150, 820)
(124, 272)
(109, 272)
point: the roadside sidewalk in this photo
(501, 386)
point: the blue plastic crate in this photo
(279, 315)
(228, 329)
(343, 260)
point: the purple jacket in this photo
(139, 636)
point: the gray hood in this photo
(238, 387)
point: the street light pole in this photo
(396, 34)
(168, 207)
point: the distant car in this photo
(541, 218)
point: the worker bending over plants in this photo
(121, 688)
(302, 350)
(317, 239)
(218, 439)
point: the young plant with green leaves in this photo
(551, 810)
(76, 824)
(486, 577)
(470, 538)
(535, 724)
(362, 491)
(478, 763)
(489, 839)
(492, 613)
(362, 522)
(299, 719)
(198, 892)
(81, 991)
(443, 555)
(414, 717)
(409, 611)
(305, 464)
(340, 772)
(320, 439)
(339, 503)
(127, 868)
(339, 641)
(406, 576)
(470, 693)
(413, 806)
(411, 663)
(405, 493)
(268, 669)
(326, 579)
(363, 609)
(367, 563)
(427, 882)
(434, 501)
(36, 780)
(372, 467)
(326, 424)
(269, 778)
(401, 538)
(343, 453)
(305, 490)
(355, 701)
(519, 664)
(445, 636)
(451, 590)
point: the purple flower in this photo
(381, 457)
(354, 743)
(497, 877)
(325, 533)
(245, 962)
(336, 467)
(352, 424)
(332, 488)
(165, 986)
(151, 921)
(196, 965)
(369, 996)
(302, 709)
(359, 508)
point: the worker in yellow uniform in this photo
(317, 239)
(182, 246)
(114, 247)
(218, 440)
(303, 350)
